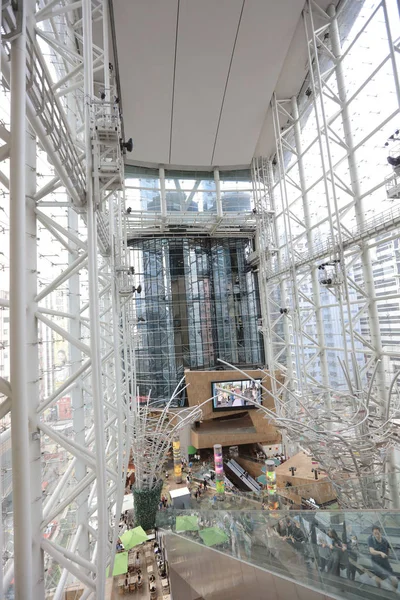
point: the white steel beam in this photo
(18, 339)
(102, 517)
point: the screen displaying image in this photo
(236, 395)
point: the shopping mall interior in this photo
(200, 299)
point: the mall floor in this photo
(207, 499)
(143, 593)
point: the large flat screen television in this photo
(235, 394)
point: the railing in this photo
(392, 185)
(385, 221)
(52, 117)
(325, 550)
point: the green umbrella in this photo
(192, 450)
(133, 537)
(187, 523)
(120, 564)
(212, 536)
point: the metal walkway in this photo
(382, 223)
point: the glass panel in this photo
(198, 303)
(143, 194)
(341, 552)
(190, 195)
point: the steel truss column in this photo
(290, 321)
(95, 341)
(328, 167)
(310, 244)
(373, 315)
(115, 262)
(33, 367)
(272, 292)
(291, 382)
(264, 249)
(22, 496)
(218, 193)
(163, 199)
(77, 399)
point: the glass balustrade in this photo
(346, 553)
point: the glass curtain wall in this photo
(185, 192)
(199, 302)
(325, 194)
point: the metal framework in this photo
(215, 205)
(330, 298)
(326, 288)
(69, 265)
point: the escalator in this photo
(240, 478)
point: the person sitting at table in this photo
(120, 546)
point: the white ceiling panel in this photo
(264, 38)
(197, 76)
(145, 32)
(206, 37)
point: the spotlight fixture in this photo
(316, 472)
(127, 145)
(308, 92)
(128, 210)
(103, 95)
(130, 270)
(131, 290)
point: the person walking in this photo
(379, 550)
(324, 553)
(336, 548)
(344, 564)
(353, 551)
